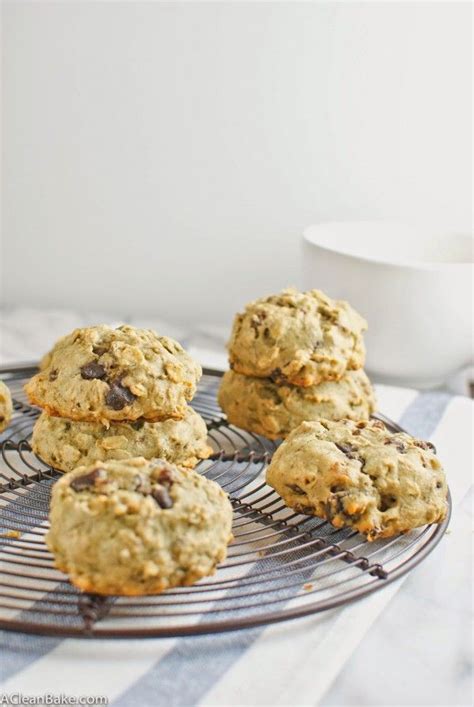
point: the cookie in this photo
(6, 407)
(65, 444)
(259, 405)
(103, 374)
(137, 527)
(360, 475)
(302, 338)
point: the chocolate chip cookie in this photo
(137, 527)
(6, 407)
(360, 475)
(103, 374)
(260, 405)
(66, 444)
(295, 337)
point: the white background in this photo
(163, 158)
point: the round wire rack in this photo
(281, 565)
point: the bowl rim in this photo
(433, 266)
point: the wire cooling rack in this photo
(281, 565)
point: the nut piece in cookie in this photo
(100, 374)
(65, 444)
(259, 405)
(137, 526)
(360, 475)
(302, 338)
(6, 407)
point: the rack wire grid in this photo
(281, 565)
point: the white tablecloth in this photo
(406, 645)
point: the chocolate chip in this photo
(138, 424)
(296, 489)
(439, 484)
(333, 507)
(119, 396)
(425, 445)
(347, 449)
(67, 426)
(399, 446)
(386, 502)
(266, 333)
(278, 377)
(53, 374)
(99, 350)
(92, 370)
(162, 497)
(86, 481)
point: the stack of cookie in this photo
(116, 394)
(295, 356)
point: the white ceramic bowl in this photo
(414, 287)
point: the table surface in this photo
(410, 644)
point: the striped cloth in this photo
(293, 663)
